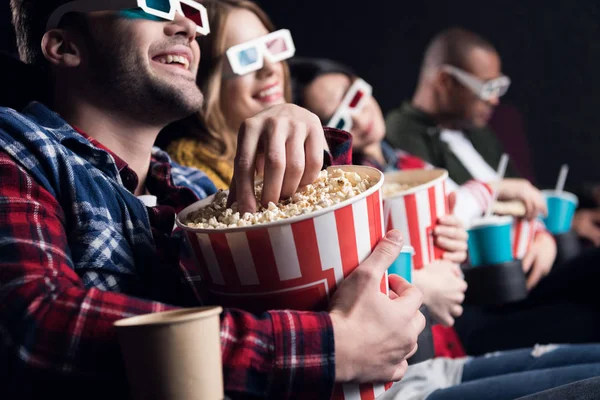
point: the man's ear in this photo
(443, 80)
(62, 48)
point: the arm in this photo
(51, 324)
(472, 200)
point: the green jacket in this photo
(415, 131)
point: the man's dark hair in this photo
(452, 46)
(29, 18)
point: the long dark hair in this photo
(305, 70)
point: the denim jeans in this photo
(586, 389)
(515, 373)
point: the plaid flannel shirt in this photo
(79, 251)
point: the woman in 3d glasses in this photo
(243, 71)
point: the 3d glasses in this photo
(485, 90)
(249, 56)
(354, 100)
(164, 9)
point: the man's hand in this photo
(452, 237)
(539, 259)
(587, 225)
(443, 288)
(375, 334)
(522, 189)
(291, 140)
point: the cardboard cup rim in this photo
(390, 176)
(501, 220)
(168, 317)
(408, 249)
(288, 221)
(564, 195)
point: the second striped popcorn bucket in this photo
(416, 210)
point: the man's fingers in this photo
(456, 310)
(275, 160)
(294, 161)
(529, 209)
(400, 371)
(244, 166)
(395, 281)
(534, 277)
(595, 234)
(451, 232)
(595, 215)
(451, 244)
(408, 295)
(313, 148)
(232, 197)
(542, 207)
(528, 260)
(384, 254)
(413, 351)
(462, 286)
(595, 238)
(445, 319)
(456, 256)
(452, 202)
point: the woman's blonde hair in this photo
(210, 126)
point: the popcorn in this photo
(329, 189)
(392, 188)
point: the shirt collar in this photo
(119, 162)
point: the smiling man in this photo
(79, 250)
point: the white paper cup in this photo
(295, 263)
(173, 355)
(415, 211)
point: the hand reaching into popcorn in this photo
(289, 142)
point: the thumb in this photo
(384, 254)
(451, 202)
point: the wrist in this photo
(343, 347)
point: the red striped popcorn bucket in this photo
(415, 211)
(295, 263)
(522, 235)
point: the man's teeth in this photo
(268, 92)
(174, 60)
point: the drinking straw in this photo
(499, 176)
(562, 178)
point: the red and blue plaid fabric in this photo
(78, 251)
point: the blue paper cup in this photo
(490, 241)
(403, 264)
(561, 208)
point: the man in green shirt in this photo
(459, 86)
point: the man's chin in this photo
(181, 102)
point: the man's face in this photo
(147, 67)
(461, 102)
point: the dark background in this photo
(551, 51)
